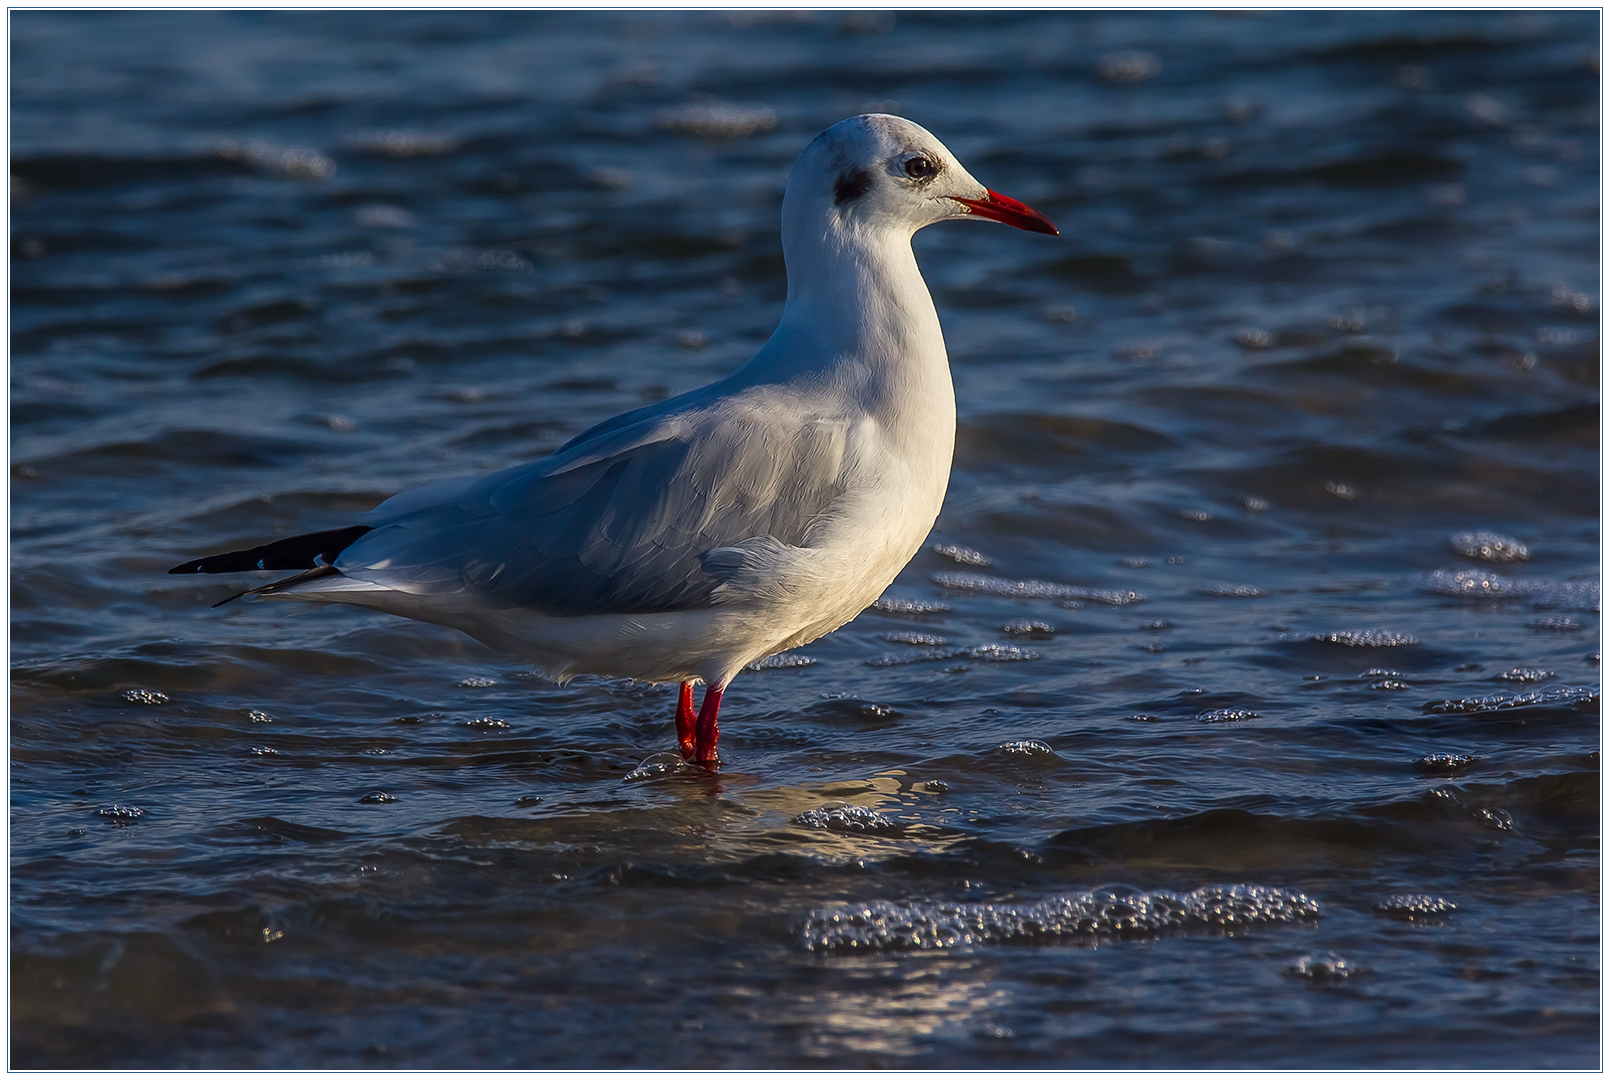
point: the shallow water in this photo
(1212, 738)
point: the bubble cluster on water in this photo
(998, 586)
(656, 766)
(781, 662)
(1028, 628)
(1225, 716)
(294, 162)
(1415, 906)
(992, 653)
(475, 682)
(1000, 654)
(257, 716)
(264, 751)
(1445, 763)
(1447, 796)
(1340, 490)
(1326, 967)
(1559, 695)
(964, 555)
(926, 924)
(1367, 639)
(1031, 590)
(1488, 584)
(1558, 624)
(893, 605)
(1483, 583)
(1526, 675)
(846, 817)
(145, 697)
(913, 637)
(121, 814)
(1489, 546)
(1027, 748)
(920, 656)
(487, 723)
(1494, 819)
(1236, 592)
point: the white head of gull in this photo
(680, 541)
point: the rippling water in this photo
(1245, 712)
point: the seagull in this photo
(683, 540)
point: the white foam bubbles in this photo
(1225, 716)
(847, 818)
(1559, 695)
(1486, 584)
(992, 653)
(1488, 546)
(1326, 967)
(899, 605)
(1367, 639)
(964, 555)
(1415, 906)
(1032, 748)
(656, 767)
(1031, 590)
(781, 662)
(922, 924)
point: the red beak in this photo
(1000, 208)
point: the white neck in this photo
(859, 321)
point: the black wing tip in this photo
(304, 552)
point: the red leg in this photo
(684, 721)
(708, 732)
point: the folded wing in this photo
(619, 520)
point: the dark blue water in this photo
(1241, 751)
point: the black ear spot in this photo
(850, 186)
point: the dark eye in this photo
(921, 168)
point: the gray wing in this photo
(618, 523)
